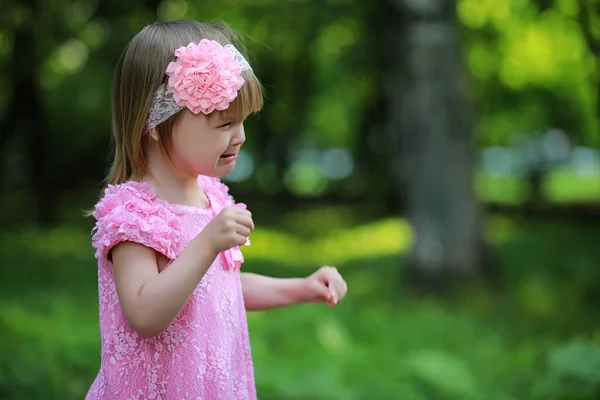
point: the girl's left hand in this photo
(326, 285)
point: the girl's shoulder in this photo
(135, 196)
(131, 211)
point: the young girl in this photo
(171, 296)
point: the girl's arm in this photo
(151, 300)
(263, 292)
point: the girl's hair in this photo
(139, 72)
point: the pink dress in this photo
(205, 352)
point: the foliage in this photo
(573, 372)
(380, 343)
(533, 68)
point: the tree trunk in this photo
(432, 126)
(28, 118)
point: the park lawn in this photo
(533, 339)
(561, 186)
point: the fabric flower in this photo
(234, 257)
(205, 77)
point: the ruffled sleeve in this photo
(127, 213)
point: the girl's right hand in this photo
(230, 228)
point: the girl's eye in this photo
(227, 125)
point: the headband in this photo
(204, 77)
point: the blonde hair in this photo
(139, 72)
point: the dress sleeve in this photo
(126, 215)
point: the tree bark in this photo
(431, 124)
(27, 117)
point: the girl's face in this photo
(206, 145)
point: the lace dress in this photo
(205, 352)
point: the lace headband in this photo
(205, 77)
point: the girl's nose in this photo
(239, 137)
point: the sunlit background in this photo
(444, 155)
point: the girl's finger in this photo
(246, 221)
(334, 293)
(340, 289)
(243, 230)
(241, 239)
(320, 291)
(343, 288)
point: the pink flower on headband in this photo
(205, 77)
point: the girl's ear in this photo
(153, 134)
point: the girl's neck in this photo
(172, 185)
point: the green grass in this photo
(533, 340)
(562, 185)
(565, 186)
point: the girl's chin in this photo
(220, 170)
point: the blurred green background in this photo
(443, 154)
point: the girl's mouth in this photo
(227, 158)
